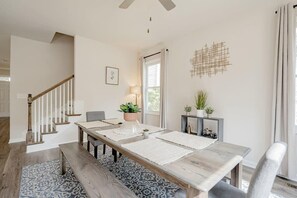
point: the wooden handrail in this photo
(52, 88)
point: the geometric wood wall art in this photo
(210, 60)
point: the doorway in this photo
(4, 96)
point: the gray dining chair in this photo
(97, 116)
(262, 179)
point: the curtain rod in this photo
(153, 54)
(294, 6)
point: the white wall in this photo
(242, 95)
(35, 66)
(91, 58)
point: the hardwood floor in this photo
(4, 147)
(13, 157)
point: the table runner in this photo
(93, 124)
(114, 121)
(157, 151)
(115, 134)
(187, 140)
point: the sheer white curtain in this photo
(163, 86)
(163, 93)
(283, 112)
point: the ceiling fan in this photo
(167, 4)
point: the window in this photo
(7, 79)
(152, 88)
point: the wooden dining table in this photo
(197, 173)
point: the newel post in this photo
(30, 112)
(29, 133)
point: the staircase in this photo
(50, 110)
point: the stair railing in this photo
(49, 108)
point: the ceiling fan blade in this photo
(167, 4)
(126, 4)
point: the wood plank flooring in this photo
(4, 147)
(13, 157)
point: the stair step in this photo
(30, 138)
(47, 128)
(61, 123)
(73, 114)
(34, 143)
(48, 133)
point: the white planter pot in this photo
(200, 113)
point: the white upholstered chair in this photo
(261, 182)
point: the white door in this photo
(4, 99)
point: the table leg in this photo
(236, 175)
(62, 163)
(80, 136)
(194, 193)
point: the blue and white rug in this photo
(43, 180)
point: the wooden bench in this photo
(96, 180)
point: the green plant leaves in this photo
(129, 108)
(200, 100)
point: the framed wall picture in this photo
(111, 75)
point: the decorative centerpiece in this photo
(130, 111)
(209, 133)
(209, 111)
(188, 109)
(131, 126)
(200, 103)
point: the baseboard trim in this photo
(44, 146)
(16, 140)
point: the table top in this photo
(202, 169)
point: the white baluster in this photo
(68, 108)
(42, 115)
(60, 103)
(39, 119)
(71, 98)
(64, 103)
(73, 108)
(56, 106)
(51, 109)
(46, 114)
(35, 116)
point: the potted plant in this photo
(188, 109)
(209, 111)
(200, 103)
(130, 111)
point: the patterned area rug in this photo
(43, 180)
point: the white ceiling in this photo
(102, 20)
